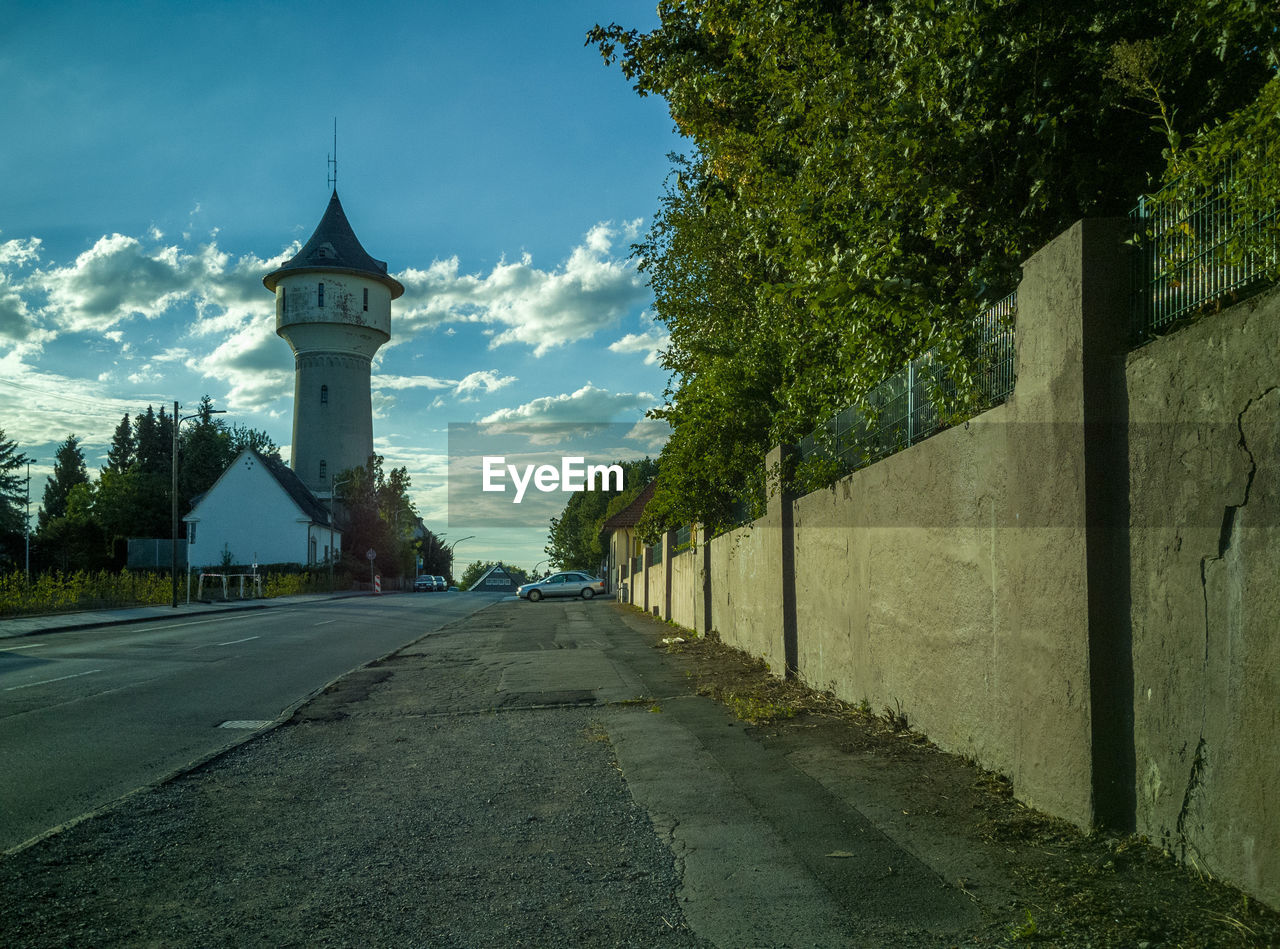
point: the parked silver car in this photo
(424, 584)
(569, 583)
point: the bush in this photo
(57, 592)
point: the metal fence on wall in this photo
(1191, 260)
(905, 408)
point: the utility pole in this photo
(173, 460)
(173, 498)
(26, 522)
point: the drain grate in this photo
(246, 724)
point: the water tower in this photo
(333, 307)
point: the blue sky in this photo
(159, 158)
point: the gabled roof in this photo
(499, 568)
(306, 502)
(334, 247)
(629, 516)
(298, 492)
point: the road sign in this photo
(371, 554)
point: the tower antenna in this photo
(333, 159)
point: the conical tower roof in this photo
(333, 247)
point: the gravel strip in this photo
(492, 829)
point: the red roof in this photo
(629, 516)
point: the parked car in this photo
(569, 583)
(441, 584)
(424, 584)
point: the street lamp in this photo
(449, 547)
(173, 546)
(333, 496)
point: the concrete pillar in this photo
(1069, 482)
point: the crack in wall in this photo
(1226, 537)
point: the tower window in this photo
(324, 395)
(320, 296)
(324, 471)
(284, 292)
(366, 298)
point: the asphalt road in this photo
(87, 716)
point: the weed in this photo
(756, 711)
(1027, 930)
(896, 718)
(655, 707)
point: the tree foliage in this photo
(13, 498)
(574, 540)
(377, 514)
(83, 522)
(864, 177)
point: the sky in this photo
(160, 158)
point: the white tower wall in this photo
(334, 334)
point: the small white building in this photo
(259, 511)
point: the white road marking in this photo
(198, 622)
(30, 685)
(29, 646)
(234, 641)
(326, 622)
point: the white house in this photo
(259, 511)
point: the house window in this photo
(191, 532)
(324, 469)
(366, 298)
(324, 395)
(312, 557)
(320, 296)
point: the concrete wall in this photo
(950, 582)
(1077, 588)
(1204, 461)
(686, 587)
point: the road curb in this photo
(270, 603)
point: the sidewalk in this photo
(14, 626)
(550, 775)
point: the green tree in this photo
(437, 559)
(574, 539)
(68, 471)
(866, 177)
(75, 541)
(243, 437)
(204, 451)
(122, 452)
(377, 514)
(13, 498)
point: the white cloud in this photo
(650, 342)
(543, 309)
(18, 252)
(411, 382)
(482, 382)
(253, 362)
(115, 280)
(587, 404)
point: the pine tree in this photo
(68, 471)
(123, 451)
(13, 495)
(145, 439)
